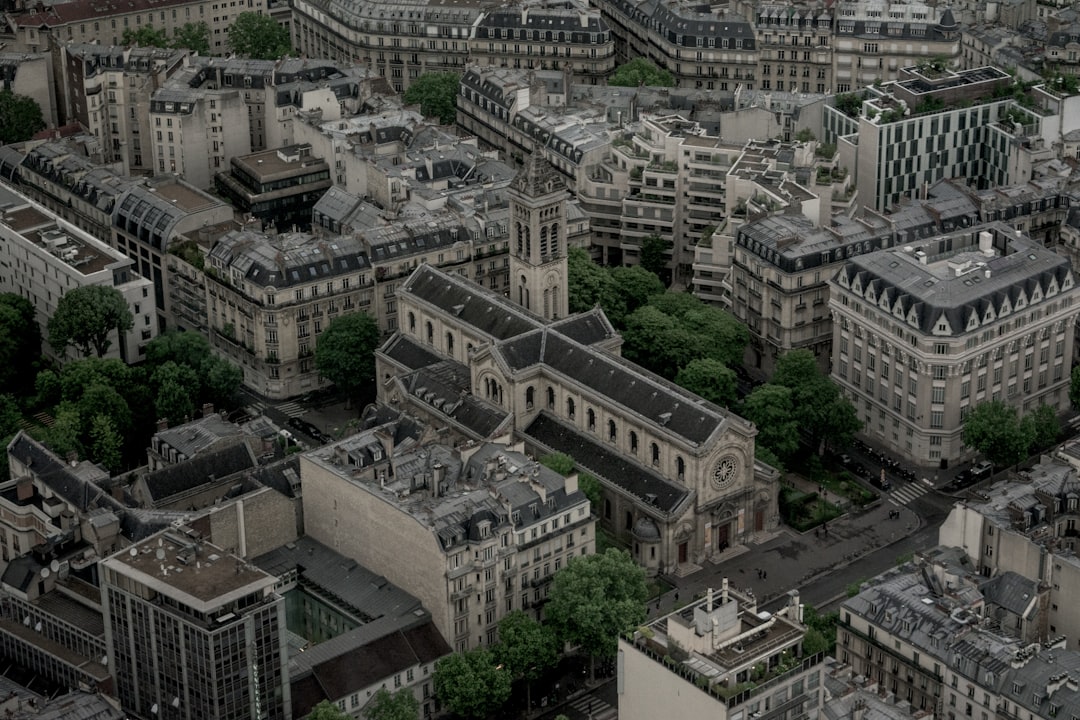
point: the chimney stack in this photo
(207, 409)
(724, 591)
(162, 424)
(708, 600)
(24, 490)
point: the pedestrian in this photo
(764, 574)
(676, 596)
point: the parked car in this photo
(308, 429)
(982, 470)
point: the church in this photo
(680, 482)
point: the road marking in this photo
(906, 494)
(292, 409)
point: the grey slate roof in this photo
(591, 456)
(488, 314)
(214, 464)
(408, 353)
(445, 386)
(1013, 592)
(58, 476)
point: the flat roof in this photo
(185, 197)
(198, 573)
(274, 162)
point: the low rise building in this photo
(43, 258)
(719, 657)
(30, 75)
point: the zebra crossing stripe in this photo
(907, 494)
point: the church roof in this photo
(538, 177)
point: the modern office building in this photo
(929, 328)
(474, 533)
(277, 187)
(193, 632)
(719, 657)
(43, 257)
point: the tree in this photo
(345, 353)
(771, 408)
(823, 414)
(219, 378)
(177, 386)
(640, 71)
(710, 379)
(589, 485)
(994, 428)
(401, 705)
(327, 710)
(105, 444)
(20, 117)
(10, 417)
(1074, 387)
(654, 254)
(652, 340)
(1045, 427)
(436, 94)
(145, 36)
(257, 36)
(559, 462)
(594, 599)
(193, 36)
(586, 282)
(20, 343)
(63, 437)
(86, 316)
(471, 684)
(103, 399)
(631, 287)
(526, 649)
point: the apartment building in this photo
(108, 89)
(277, 187)
(41, 28)
(30, 75)
(474, 533)
(719, 657)
(400, 42)
(194, 631)
(924, 331)
(782, 264)
(45, 257)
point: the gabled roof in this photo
(486, 313)
(214, 464)
(58, 476)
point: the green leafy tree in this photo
(587, 283)
(385, 705)
(994, 428)
(631, 287)
(86, 316)
(102, 399)
(78, 376)
(771, 408)
(822, 412)
(177, 386)
(526, 649)
(327, 710)
(63, 437)
(20, 343)
(182, 348)
(713, 332)
(436, 94)
(260, 37)
(345, 354)
(559, 462)
(106, 444)
(471, 684)
(219, 378)
(10, 417)
(640, 71)
(47, 388)
(594, 599)
(1045, 426)
(652, 340)
(145, 36)
(193, 36)
(850, 104)
(711, 379)
(589, 485)
(654, 254)
(20, 117)
(1074, 387)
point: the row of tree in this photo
(251, 35)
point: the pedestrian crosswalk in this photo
(292, 409)
(593, 707)
(907, 493)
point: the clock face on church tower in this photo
(725, 473)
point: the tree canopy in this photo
(995, 429)
(20, 343)
(193, 36)
(594, 599)
(345, 353)
(20, 117)
(640, 71)
(219, 379)
(771, 408)
(471, 684)
(526, 649)
(654, 254)
(145, 36)
(436, 94)
(385, 705)
(711, 379)
(824, 415)
(177, 390)
(86, 316)
(327, 710)
(260, 37)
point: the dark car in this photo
(308, 429)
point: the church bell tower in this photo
(538, 199)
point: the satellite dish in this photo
(159, 554)
(133, 552)
(45, 573)
(55, 566)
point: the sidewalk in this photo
(791, 559)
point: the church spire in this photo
(538, 176)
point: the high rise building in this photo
(193, 632)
